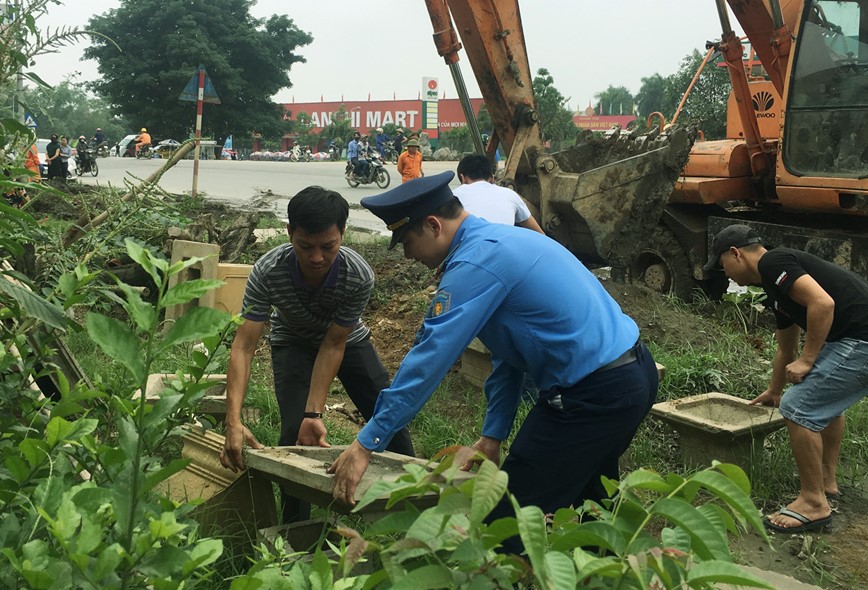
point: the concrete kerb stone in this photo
(205, 269)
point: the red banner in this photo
(602, 122)
(368, 115)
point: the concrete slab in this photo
(233, 506)
(718, 426)
(301, 471)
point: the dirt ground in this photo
(833, 559)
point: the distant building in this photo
(590, 119)
(432, 117)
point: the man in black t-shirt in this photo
(831, 374)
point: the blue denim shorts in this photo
(838, 380)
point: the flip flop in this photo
(807, 523)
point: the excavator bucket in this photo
(604, 196)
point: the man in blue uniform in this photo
(538, 310)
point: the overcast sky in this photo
(383, 47)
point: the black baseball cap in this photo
(733, 236)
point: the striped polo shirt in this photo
(300, 313)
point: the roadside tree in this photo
(556, 119)
(162, 42)
(651, 95)
(615, 100)
(707, 101)
(69, 109)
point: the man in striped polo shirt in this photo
(313, 290)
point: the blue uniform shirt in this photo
(353, 149)
(530, 301)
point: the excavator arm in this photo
(599, 198)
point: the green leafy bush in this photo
(653, 532)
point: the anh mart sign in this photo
(367, 115)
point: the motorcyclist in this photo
(143, 140)
(98, 137)
(380, 140)
(354, 155)
(82, 156)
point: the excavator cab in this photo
(826, 129)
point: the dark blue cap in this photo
(410, 201)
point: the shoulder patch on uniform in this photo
(781, 278)
(440, 304)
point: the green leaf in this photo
(166, 562)
(532, 529)
(731, 493)
(647, 480)
(394, 522)
(589, 565)
(205, 552)
(723, 572)
(706, 540)
(35, 306)
(174, 466)
(559, 571)
(166, 527)
(196, 324)
(427, 577)
(735, 473)
(34, 450)
(141, 312)
(118, 341)
(488, 488)
(189, 290)
(145, 260)
(594, 534)
(59, 430)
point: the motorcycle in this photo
(377, 173)
(85, 161)
(391, 153)
(102, 150)
(334, 152)
(300, 154)
(145, 153)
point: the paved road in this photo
(267, 185)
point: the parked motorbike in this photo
(145, 153)
(377, 173)
(85, 161)
(334, 152)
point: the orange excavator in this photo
(794, 163)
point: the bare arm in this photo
(788, 345)
(325, 368)
(530, 223)
(237, 377)
(821, 311)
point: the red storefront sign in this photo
(368, 115)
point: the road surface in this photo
(264, 185)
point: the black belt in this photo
(628, 357)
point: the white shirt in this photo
(496, 204)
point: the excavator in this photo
(794, 164)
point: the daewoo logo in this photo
(763, 101)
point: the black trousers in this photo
(563, 449)
(362, 375)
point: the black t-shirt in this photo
(779, 269)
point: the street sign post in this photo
(200, 90)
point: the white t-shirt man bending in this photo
(482, 198)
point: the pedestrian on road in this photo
(313, 290)
(65, 155)
(481, 197)
(410, 162)
(52, 158)
(831, 374)
(597, 381)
